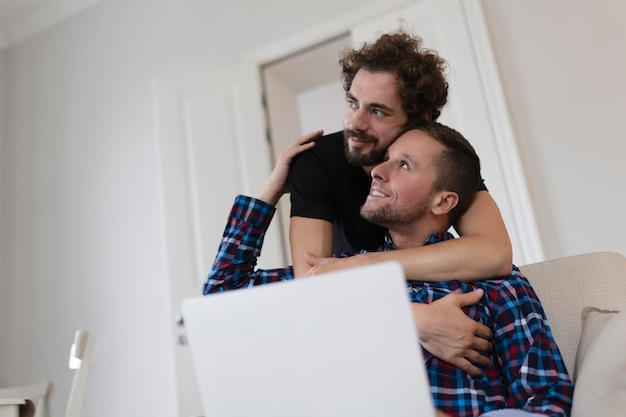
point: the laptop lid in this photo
(339, 344)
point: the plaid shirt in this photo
(526, 372)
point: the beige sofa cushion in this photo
(601, 380)
(594, 320)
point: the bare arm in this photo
(313, 236)
(306, 232)
(483, 251)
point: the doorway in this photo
(302, 93)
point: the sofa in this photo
(584, 297)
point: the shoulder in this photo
(329, 143)
(328, 151)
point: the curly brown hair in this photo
(419, 72)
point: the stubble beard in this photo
(357, 156)
(391, 218)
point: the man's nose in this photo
(379, 172)
(359, 120)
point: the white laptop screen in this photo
(340, 344)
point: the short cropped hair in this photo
(457, 168)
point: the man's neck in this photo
(407, 236)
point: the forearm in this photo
(242, 240)
(467, 259)
(309, 236)
(484, 246)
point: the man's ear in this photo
(444, 201)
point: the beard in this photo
(357, 156)
(391, 217)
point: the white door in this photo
(213, 147)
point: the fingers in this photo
(467, 366)
(299, 145)
(456, 338)
(476, 359)
(304, 142)
(484, 333)
(311, 259)
(482, 345)
(309, 137)
(470, 298)
(276, 184)
(471, 362)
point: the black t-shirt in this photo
(325, 186)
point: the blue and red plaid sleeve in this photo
(235, 264)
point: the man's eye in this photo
(404, 165)
(377, 112)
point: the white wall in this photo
(82, 238)
(563, 64)
(3, 288)
(82, 221)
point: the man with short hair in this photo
(427, 178)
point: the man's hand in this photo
(446, 331)
(276, 184)
(325, 265)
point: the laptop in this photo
(339, 344)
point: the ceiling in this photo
(20, 19)
(12, 11)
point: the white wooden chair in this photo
(81, 354)
(35, 394)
